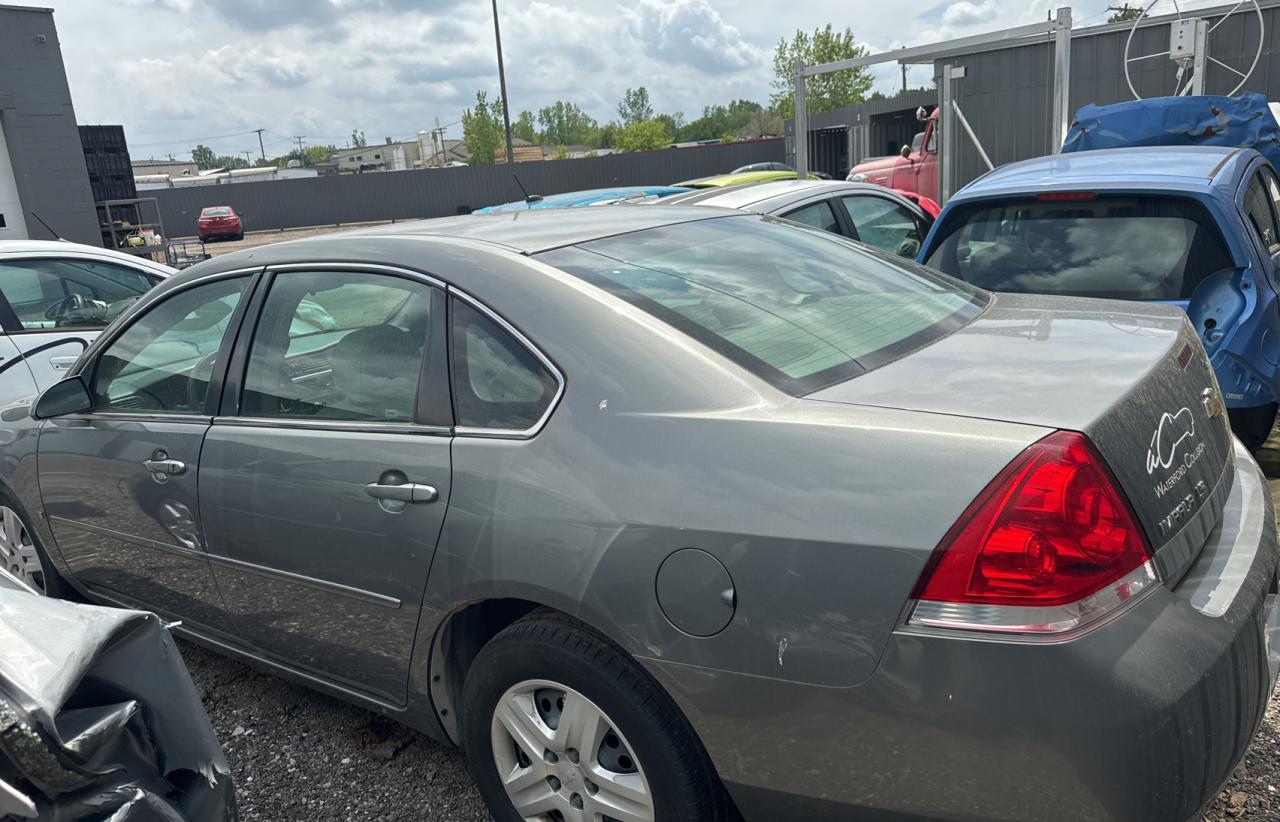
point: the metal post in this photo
(801, 126)
(502, 84)
(1200, 59)
(1060, 121)
(261, 148)
(968, 129)
(947, 145)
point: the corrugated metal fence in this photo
(355, 198)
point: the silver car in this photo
(880, 217)
(676, 514)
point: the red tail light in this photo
(1051, 539)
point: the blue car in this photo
(594, 196)
(1193, 226)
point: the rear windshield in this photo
(1118, 246)
(216, 212)
(800, 308)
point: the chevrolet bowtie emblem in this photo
(1212, 403)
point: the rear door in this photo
(325, 479)
(118, 483)
(53, 307)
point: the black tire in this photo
(551, 646)
(1253, 425)
(54, 585)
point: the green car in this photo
(738, 179)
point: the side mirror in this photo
(906, 152)
(71, 396)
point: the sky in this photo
(180, 72)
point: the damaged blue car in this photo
(1195, 226)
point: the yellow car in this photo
(737, 179)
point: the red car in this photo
(219, 221)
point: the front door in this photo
(324, 483)
(53, 307)
(119, 482)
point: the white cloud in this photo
(965, 13)
(198, 68)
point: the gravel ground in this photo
(299, 755)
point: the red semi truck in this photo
(914, 171)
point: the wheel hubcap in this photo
(562, 759)
(17, 550)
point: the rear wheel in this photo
(1253, 425)
(560, 725)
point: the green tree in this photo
(524, 127)
(357, 139)
(606, 136)
(719, 120)
(229, 161)
(482, 131)
(826, 91)
(564, 124)
(644, 135)
(1124, 13)
(635, 106)
(203, 157)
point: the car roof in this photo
(740, 178)
(69, 249)
(775, 194)
(1196, 168)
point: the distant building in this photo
(380, 157)
(439, 154)
(143, 168)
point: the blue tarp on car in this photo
(1245, 121)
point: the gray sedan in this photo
(675, 514)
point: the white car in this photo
(55, 297)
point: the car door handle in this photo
(62, 363)
(405, 492)
(165, 466)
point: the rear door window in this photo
(884, 224)
(1116, 246)
(1258, 207)
(816, 215)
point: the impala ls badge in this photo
(1212, 403)
(1169, 434)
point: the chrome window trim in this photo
(351, 426)
(311, 582)
(124, 416)
(319, 267)
(505, 433)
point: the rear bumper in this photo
(219, 231)
(1140, 720)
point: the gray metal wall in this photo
(1007, 93)
(397, 195)
(40, 127)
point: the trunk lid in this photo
(1134, 378)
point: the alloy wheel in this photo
(562, 759)
(18, 552)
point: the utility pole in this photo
(261, 148)
(904, 78)
(248, 157)
(502, 84)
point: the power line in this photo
(190, 140)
